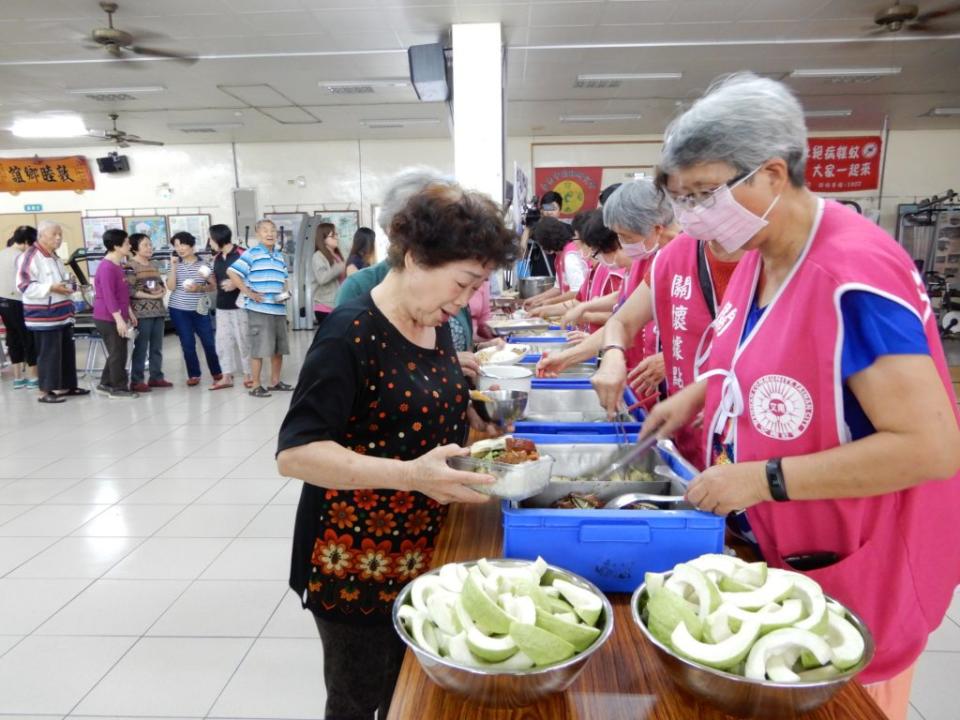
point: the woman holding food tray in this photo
(380, 405)
(828, 409)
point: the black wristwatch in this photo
(775, 481)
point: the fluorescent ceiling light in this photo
(382, 82)
(54, 126)
(200, 125)
(944, 111)
(116, 90)
(827, 113)
(844, 72)
(598, 118)
(398, 122)
(630, 76)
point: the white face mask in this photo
(723, 219)
(636, 251)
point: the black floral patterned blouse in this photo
(366, 387)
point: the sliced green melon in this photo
(754, 574)
(543, 647)
(421, 588)
(717, 627)
(827, 672)
(705, 591)
(518, 661)
(836, 608)
(425, 633)
(407, 613)
(654, 582)
(780, 666)
(585, 604)
(441, 612)
(775, 589)
(771, 617)
(452, 576)
(667, 610)
(520, 608)
(729, 584)
(780, 641)
(815, 604)
(722, 565)
(846, 642)
(721, 655)
(484, 612)
(491, 649)
(577, 634)
(459, 651)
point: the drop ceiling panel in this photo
(708, 10)
(578, 13)
(290, 115)
(636, 13)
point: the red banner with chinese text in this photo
(34, 174)
(843, 164)
(578, 186)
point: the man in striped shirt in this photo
(261, 275)
(48, 312)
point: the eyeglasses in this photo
(706, 198)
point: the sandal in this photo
(248, 384)
(280, 387)
(221, 386)
(72, 392)
(50, 398)
(259, 392)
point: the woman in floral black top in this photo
(380, 405)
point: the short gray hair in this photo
(405, 185)
(742, 120)
(262, 222)
(637, 206)
(46, 226)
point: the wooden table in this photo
(624, 680)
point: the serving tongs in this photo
(621, 461)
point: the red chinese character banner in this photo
(54, 173)
(843, 164)
(578, 186)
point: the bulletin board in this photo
(93, 229)
(197, 225)
(154, 226)
(347, 222)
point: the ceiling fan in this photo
(121, 138)
(122, 44)
(906, 16)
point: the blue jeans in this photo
(149, 339)
(187, 323)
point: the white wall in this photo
(352, 174)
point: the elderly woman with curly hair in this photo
(827, 402)
(380, 405)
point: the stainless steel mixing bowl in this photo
(515, 688)
(737, 695)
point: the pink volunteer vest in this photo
(559, 264)
(682, 317)
(900, 551)
(603, 281)
(645, 341)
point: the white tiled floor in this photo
(144, 554)
(144, 550)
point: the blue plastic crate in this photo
(611, 548)
(579, 428)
